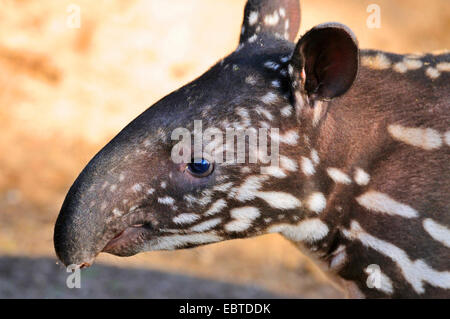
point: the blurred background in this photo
(65, 92)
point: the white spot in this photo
(245, 170)
(121, 177)
(316, 202)
(206, 225)
(377, 62)
(432, 73)
(290, 137)
(244, 217)
(437, 231)
(361, 177)
(307, 166)
(315, 157)
(407, 64)
(282, 12)
(185, 218)
(286, 111)
(415, 272)
(443, 67)
(247, 212)
(250, 80)
(176, 241)
(264, 112)
(276, 83)
(338, 176)
(272, 65)
(285, 58)
(113, 187)
(427, 139)
(216, 207)
(150, 191)
(274, 171)
(272, 19)
(245, 117)
(137, 187)
(382, 203)
(288, 164)
(291, 70)
(252, 38)
(252, 17)
(249, 189)
(413, 64)
(166, 200)
(309, 230)
(400, 67)
(117, 212)
(385, 283)
(163, 185)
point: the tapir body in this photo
(361, 181)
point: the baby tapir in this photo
(359, 169)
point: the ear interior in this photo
(329, 55)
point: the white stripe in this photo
(243, 218)
(437, 231)
(185, 218)
(175, 241)
(216, 207)
(382, 203)
(415, 272)
(425, 138)
(339, 258)
(309, 230)
(166, 200)
(206, 225)
(279, 200)
(274, 171)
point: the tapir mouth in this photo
(129, 241)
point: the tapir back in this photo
(394, 123)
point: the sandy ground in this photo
(66, 92)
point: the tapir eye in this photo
(200, 168)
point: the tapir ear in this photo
(325, 61)
(280, 18)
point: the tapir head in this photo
(219, 158)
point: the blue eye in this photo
(200, 168)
